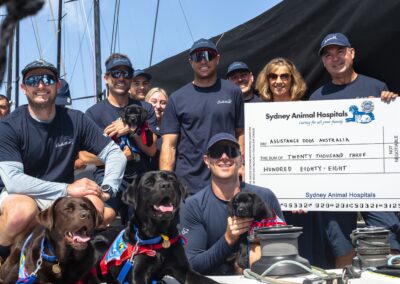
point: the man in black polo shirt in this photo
(38, 146)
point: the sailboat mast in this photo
(97, 48)
(60, 4)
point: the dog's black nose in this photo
(241, 212)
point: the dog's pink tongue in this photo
(168, 208)
(80, 239)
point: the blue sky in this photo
(204, 18)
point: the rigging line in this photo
(36, 39)
(114, 26)
(53, 19)
(117, 29)
(104, 29)
(87, 24)
(186, 21)
(154, 33)
(216, 44)
(80, 47)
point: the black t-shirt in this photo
(196, 114)
(103, 114)
(48, 150)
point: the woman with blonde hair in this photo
(280, 81)
(158, 98)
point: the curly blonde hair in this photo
(297, 89)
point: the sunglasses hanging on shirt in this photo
(207, 55)
(46, 79)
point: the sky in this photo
(179, 24)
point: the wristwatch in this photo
(106, 188)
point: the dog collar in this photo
(267, 222)
(121, 251)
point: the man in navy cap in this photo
(211, 233)
(337, 56)
(194, 113)
(107, 115)
(140, 84)
(240, 74)
(38, 146)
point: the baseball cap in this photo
(203, 44)
(140, 72)
(63, 95)
(222, 136)
(235, 66)
(40, 63)
(119, 61)
(334, 39)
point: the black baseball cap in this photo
(37, 64)
(118, 61)
(236, 66)
(222, 136)
(140, 72)
(203, 44)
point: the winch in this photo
(278, 244)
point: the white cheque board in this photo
(337, 155)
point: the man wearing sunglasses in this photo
(107, 115)
(196, 112)
(240, 74)
(204, 220)
(38, 146)
(337, 56)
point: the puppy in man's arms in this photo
(59, 249)
(150, 247)
(250, 205)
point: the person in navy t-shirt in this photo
(38, 146)
(337, 56)
(107, 115)
(195, 113)
(204, 219)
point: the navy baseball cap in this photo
(37, 64)
(63, 95)
(140, 72)
(222, 136)
(236, 66)
(334, 39)
(119, 61)
(203, 44)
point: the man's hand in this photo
(105, 196)
(83, 187)
(116, 128)
(387, 96)
(235, 227)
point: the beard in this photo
(42, 105)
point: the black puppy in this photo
(150, 247)
(136, 117)
(250, 205)
(62, 244)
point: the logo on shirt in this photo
(64, 143)
(184, 231)
(224, 101)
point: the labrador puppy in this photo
(59, 248)
(250, 205)
(151, 245)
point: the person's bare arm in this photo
(148, 150)
(89, 158)
(168, 152)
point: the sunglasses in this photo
(217, 151)
(116, 74)
(46, 79)
(207, 55)
(284, 76)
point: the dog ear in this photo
(230, 207)
(46, 217)
(143, 115)
(183, 190)
(130, 195)
(259, 208)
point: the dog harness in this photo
(23, 275)
(267, 222)
(122, 252)
(25, 278)
(125, 141)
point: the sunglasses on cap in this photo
(217, 151)
(207, 55)
(46, 79)
(284, 76)
(116, 74)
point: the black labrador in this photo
(59, 249)
(150, 247)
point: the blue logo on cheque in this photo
(363, 116)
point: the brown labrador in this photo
(59, 249)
